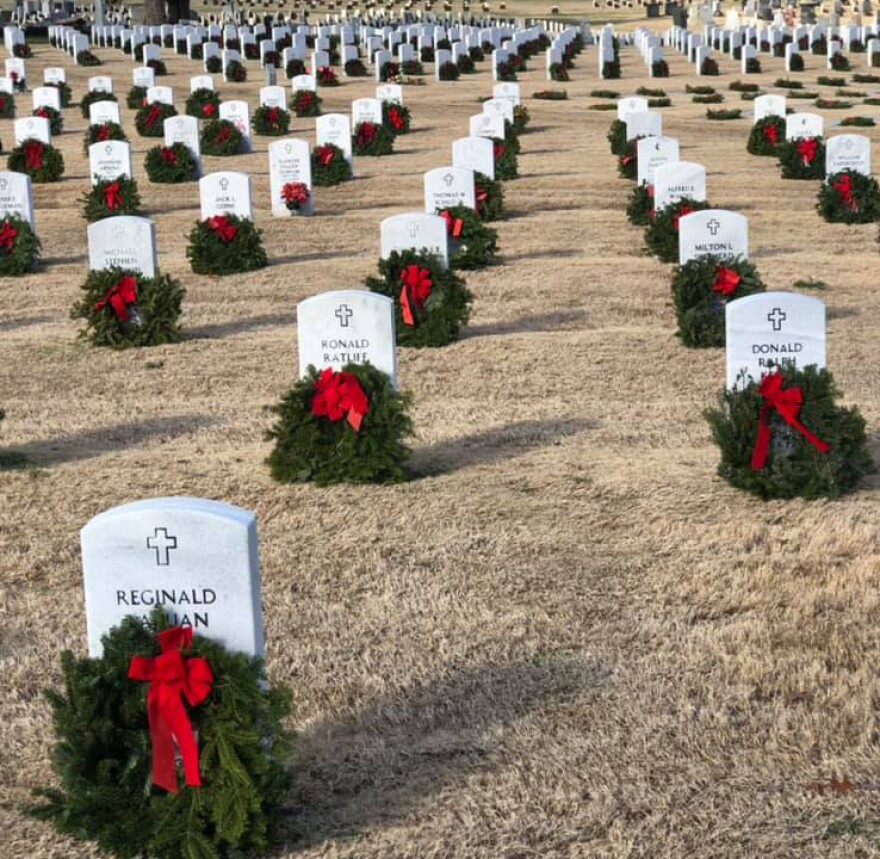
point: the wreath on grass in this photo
(709, 67)
(107, 754)
(661, 233)
(839, 63)
(220, 137)
(355, 69)
(294, 69)
(660, 69)
(795, 63)
(477, 54)
(19, 246)
(616, 137)
(22, 50)
(766, 136)
(472, 245)
(427, 54)
(784, 437)
(203, 103)
(849, 197)
(56, 121)
(124, 308)
(110, 197)
(270, 58)
(701, 289)
(87, 58)
(213, 65)
(170, 164)
(91, 97)
(41, 161)
(226, 244)
(326, 77)
(466, 65)
(505, 71)
(802, 158)
(389, 72)
(431, 303)
(101, 133)
(271, 121)
(235, 72)
(448, 71)
(159, 68)
(551, 95)
(251, 51)
(150, 119)
(396, 118)
(341, 427)
(489, 196)
(64, 93)
(521, 119)
(559, 73)
(640, 205)
(136, 97)
(19, 84)
(295, 196)
(627, 164)
(304, 102)
(753, 66)
(197, 52)
(7, 106)
(506, 164)
(371, 138)
(329, 166)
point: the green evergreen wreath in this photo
(439, 317)
(304, 102)
(150, 119)
(466, 65)
(753, 66)
(627, 164)
(209, 252)
(87, 58)
(294, 69)
(709, 67)
(136, 97)
(617, 137)
(640, 205)
(489, 197)
(159, 68)
(7, 106)
(472, 245)
(19, 246)
(312, 448)
(611, 70)
(448, 71)
(505, 72)
(102, 132)
(506, 164)
(103, 755)
(170, 164)
(521, 118)
(477, 54)
(371, 138)
(150, 320)
(329, 166)
(41, 161)
(111, 197)
(849, 197)
(271, 121)
(660, 69)
(355, 68)
(56, 121)
(203, 103)
(796, 63)
(839, 63)
(795, 468)
(220, 137)
(389, 72)
(396, 117)
(213, 65)
(661, 234)
(801, 159)
(90, 98)
(64, 93)
(235, 72)
(766, 136)
(325, 76)
(559, 73)
(701, 289)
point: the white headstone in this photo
(390, 92)
(16, 195)
(184, 129)
(46, 96)
(474, 153)
(449, 186)
(672, 182)
(126, 241)
(32, 128)
(644, 124)
(769, 105)
(335, 128)
(713, 232)
(104, 111)
(487, 125)
(225, 193)
(366, 110)
(848, 152)
(799, 125)
(415, 231)
(630, 105)
(273, 96)
(101, 83)
(109, 159)
(654, 152)
(238, 114)
(289, 161)
(143, 76)
(160, 95)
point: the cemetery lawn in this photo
(567, 637)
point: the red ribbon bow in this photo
(626, 160)
(168, 155)
(120, 296)
(113, 196)
(33, 155)
(726, 280)
(42, 112)
(103, 132)
(273, 114)
(395, 118)
(222, 134)
(808, 148)
(8, 234)
(498, 150)
(684, 210)
(221, 227)
(771, 134)
(366, 134)
(326, 154)
(416, 290)
(788, 404)
(454, 226)
(844, 186)
(304, 100)
(153, 116)
(296, 193)
(340, 395)
(171, 678)
(208, 109)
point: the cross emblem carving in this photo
(224, 184)
(162, 543)
(448, 179)
(776, 318)
(713, 226)
(343, 313)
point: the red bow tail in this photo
(113, 196)
(120, 296)
(726, 281)
(454, 226)
(8, 234)
(33, 155)
(340, 395)
(808, 148)
(417, 286)
(844, 187)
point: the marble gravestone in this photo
(654, 152)
(225, 192)
(628, 106)
(449, 186)
(184, 129)
(487, 125)
(335, 128)
(16, 196)
(713, 232)
(126, 241)
(101, 112)
(290, 160)
(109, 159)
(799, 125)
(144, 77)
(197, 559)
(46, 96)
(768, 105)
(415, 231)
(32, 128)
(348, 326)
(101, 83)
(848, 152)
(366, 110)
(390, 92)
(644, 124)
(672, 182)
(474, 153)
(772, 329)
(238, 113)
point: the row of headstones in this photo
(764, 329)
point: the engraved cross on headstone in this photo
(713, 226)
(776, 318)
(448, 179)
(343, 314)
(162, 543)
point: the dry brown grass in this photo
(569, 638)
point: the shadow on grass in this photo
(492, 445)
(394, 752)
(24, 322)
(556, 320)
(239, 326)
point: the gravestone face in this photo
(160, 94)
(486, 125)
(654, 152)
(508, 90)
(474, 153)
(320, 60)
(143, 76)
(304, 82)
(109, 159)
(101, 83)
(644, 124)
(225, 193)
(366, 110)
(126, 241)
(47, 96)
(201, 82)
(16, 196)
(184, 129)
(628, 106)
(848, 152)
(499, 107)
(54, 75)
(104, 111)
(773, 329)
(335, 128)
(32, 128)
(198, 559)
(289, 161)
(390, 92)
(449, 186)
(238, 114)
(769, 105)
(672, 182)
(15, 64)
(273, 96)
(441, 57)
(415, 231)
(349, 326)
(799, 125)
(713, 232)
